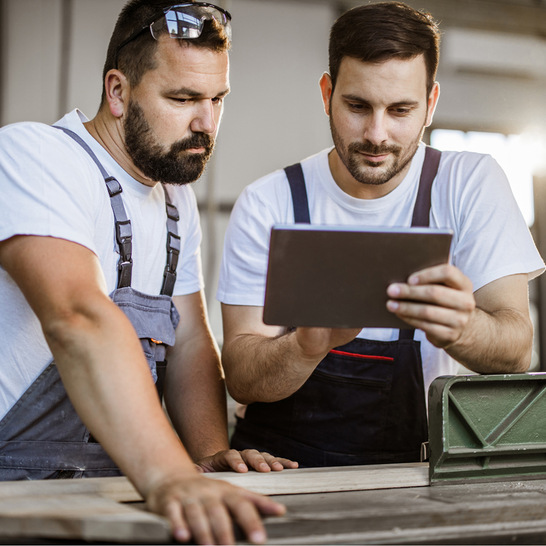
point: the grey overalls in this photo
(42, 436)
(365, 401)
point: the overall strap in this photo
(294, 173)
(124, 233)
(173, 245)
(421, 210)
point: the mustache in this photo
(196, 140)
(373, 149)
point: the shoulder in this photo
(36, 145)
(274, 188)
(270, 184)
(467, 165)
(31, 135)
(470, 178)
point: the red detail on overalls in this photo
(356, 355)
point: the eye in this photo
(357, 106)
(179, 100)
(401, 111)
(217, 100)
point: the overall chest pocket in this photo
(346, 398)
(154, 319)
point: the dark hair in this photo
(385, 30)
(137, 57)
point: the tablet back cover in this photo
(337, 277)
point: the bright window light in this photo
(512, 152)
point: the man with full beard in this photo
(348, 396)
(101, 285)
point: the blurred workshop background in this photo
(492, 76)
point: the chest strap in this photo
(124, 232)
(421, 209)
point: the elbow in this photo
(521, 360)
(524, 363)
(239, 391)
(237, 382)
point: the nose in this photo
(204, 120)
(376, 128)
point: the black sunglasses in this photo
(182, 21)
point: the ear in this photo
(116, 89)
(432, 102)
(326, 90)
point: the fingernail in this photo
(242, 467)
(258, 537)
(393, 305)
(413, 280)
(393, 290)
(182, 535)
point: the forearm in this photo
(263, 369)
(195, 398)
(496, 342)
(265, 363)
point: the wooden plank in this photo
(80, 517)
(292, 481)
(328, 480)
(117, 489)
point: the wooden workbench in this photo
(383, 504)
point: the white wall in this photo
(492, 80)
(31, 60)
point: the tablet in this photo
(337, 277)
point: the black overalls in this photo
(365, 401)
(42, 436)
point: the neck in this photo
(108, 132)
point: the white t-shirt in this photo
(470, 195)
(50, 186)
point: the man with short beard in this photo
(101, 284)
(364, 402)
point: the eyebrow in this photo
(405, 102)
(187, 91)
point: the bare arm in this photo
(96, 350)
(265, 363)
(195, 396)
(194, 387)
(488, 331)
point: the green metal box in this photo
(487, 427)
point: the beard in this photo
(171, 166)
(368, 172)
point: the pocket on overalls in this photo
(154, 319)
(343, 405)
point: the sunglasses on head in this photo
(182, 21)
